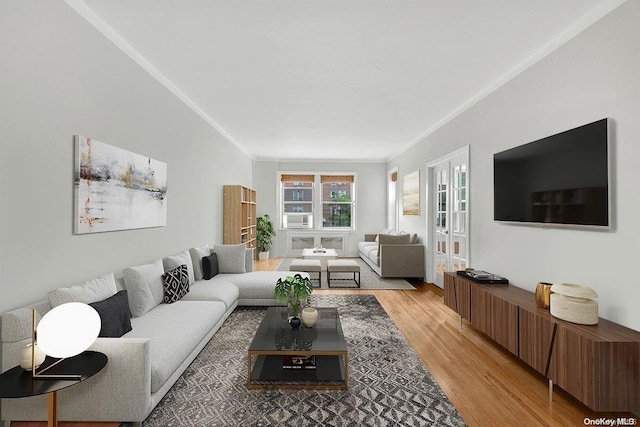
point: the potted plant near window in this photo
(264, 234)
(293, 290)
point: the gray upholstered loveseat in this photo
(165, 338)
(393, 253)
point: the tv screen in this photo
(559, 180)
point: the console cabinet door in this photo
(536, 332)
(495, 317)
(450, 292)
(457, 295)
(572, 365)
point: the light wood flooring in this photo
(487, 385)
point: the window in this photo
(332, 206)
(297, 201)
(337, 200)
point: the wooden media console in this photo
(598, 365)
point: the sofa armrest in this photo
(119, 392)
(401, 260)
(370, 237)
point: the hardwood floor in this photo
(487, 385)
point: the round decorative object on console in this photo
(573, 303)
(309, 316)
(575, 291)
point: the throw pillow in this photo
(90, 291)
(115, 316)
(209, 266)
(144, 287)
(231, 258)
(176, 284)
(177, 260)
(394, 240)
(196, 259)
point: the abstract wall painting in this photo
(115, 189)
(411, 194)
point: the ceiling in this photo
(336, 80)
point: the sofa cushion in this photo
(373, 256)
(366, 247)
(144, 287)
(231, 258)
(175, 283)
(115, 316)
(216, 289)
(90, 291)
(174, 261)
(196, 259)
(210, 266)
(395, 240)
(174, 330)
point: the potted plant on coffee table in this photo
(293, 290)
(264, 234)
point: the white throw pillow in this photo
(90, 291)
(144, 287)
(231, 258)
(196, 259)
(176, 261)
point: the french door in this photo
(448, 219)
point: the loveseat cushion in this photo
(174, 330)
(366, 247)
(216, 289)
(90, 291)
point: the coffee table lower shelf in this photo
(267, 372)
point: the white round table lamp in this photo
(68, 329)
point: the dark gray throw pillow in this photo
(209, 266)
(175, 283)
(115, 316)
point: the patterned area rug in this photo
(368, 278)
(388, 384)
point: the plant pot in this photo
(263, 256)
(295, 322)
(309, 316)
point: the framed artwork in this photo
(411, 194)
(115, 189)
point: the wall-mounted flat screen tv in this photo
(559, 180)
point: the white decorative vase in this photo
(263, 256)
(25, 357)
(309, 316)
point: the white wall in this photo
(594, 75)
(371, 193)
(60, 77)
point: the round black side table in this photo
(16, 382)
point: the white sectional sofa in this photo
(146, 361)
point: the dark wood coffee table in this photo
(276, 342)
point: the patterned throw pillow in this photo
(175, 283)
